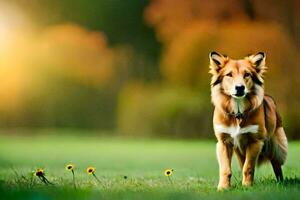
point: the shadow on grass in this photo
(290, 181)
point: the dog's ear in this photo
(217, 61)
(258, 61)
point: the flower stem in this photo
(74, 179)
(170, 179)
(42, 178)
(98, 179)
(46, 181)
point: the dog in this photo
(245, 120)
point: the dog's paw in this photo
(222, 187)
(247, 183)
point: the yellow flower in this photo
(90, 170)
(70, 167)
(168, 172)
(40, 172)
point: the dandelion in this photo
(40, 173)
(168, 173)
(71, 168)
(91, 171)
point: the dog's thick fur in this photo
(249, 125)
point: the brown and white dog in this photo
(245, 120)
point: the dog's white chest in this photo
(235, 131)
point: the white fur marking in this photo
(238, 105)
(235, 131)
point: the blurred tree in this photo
(64, 72)
(121, 21)
(163, 111)
(285, 13)
(168, 17)
(61, 76)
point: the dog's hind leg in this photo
(277, 170)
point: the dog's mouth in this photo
(239, 95)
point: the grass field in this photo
(143, 163)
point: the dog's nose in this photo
(240, 90)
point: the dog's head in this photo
(237, 78)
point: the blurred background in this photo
(139, 67)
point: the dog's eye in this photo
(229, 74)
(246, 75)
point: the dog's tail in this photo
(280, 144)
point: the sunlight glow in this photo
(31, 53)
(12, 19)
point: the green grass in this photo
(142, 161)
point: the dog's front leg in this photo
(252, 152)
(224, 154)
